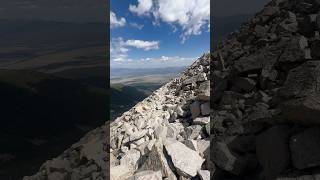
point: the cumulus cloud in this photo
(145, 45)
(191, 15)
(143, 7)
(119, 47)
(136, 25)
(116, 22)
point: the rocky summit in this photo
(266, 100)
(166, 136)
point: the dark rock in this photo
(296, 50)
(273, 151)
(302, 91)
(305, 148)
(195, 109)
(244, 84)
(225, 159)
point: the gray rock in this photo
(204, 91)
(131, 158)
(156, 161)
(193, 132)
(120, 172)
(147, 175)
(204, 148)
(205, 108)
(305, 148)
(192, 144)
(161, 132)
(204, 174)
(195, 109)
(187, 167)
(201, 121)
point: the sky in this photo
(158, 33)
(224, 8)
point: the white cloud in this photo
(118, 52)
(190, 15)
(116, 22)
(143, 7)
(136, 25)
(119, 48)
(145, 45)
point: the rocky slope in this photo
(151, 140)
(266, 99)
(264, 120)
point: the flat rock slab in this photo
(201, 121)
(305, 148)
(186, 161)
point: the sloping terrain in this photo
(265, 121)
(264, 114)
(178, 111)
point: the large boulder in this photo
(186, 167)
(302, 94)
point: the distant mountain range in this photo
(127, 72)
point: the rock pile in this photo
(166, 136)
(266, 99)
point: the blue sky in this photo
(158, 33)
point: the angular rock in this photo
(195, 109)
(193, 132)
(225, 159)
(204, 148)
(192, 144)
(120, 172)
(187, 167)
(131, 158)
(205, 108)
(147, 175)
(302, 94)
(204, 174)
(201, 121)
(204, 91)
(296, 50)
(156, 161)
